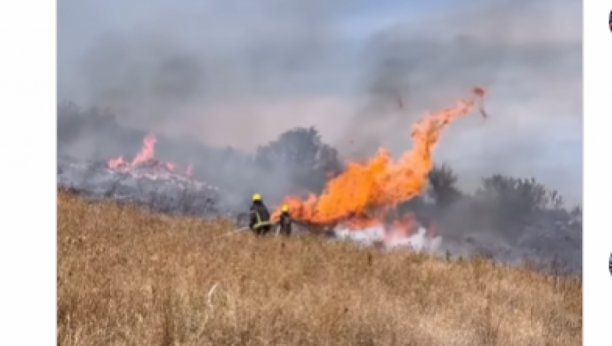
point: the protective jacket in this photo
(260, 217)
(285, 223)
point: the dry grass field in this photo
(127, 277)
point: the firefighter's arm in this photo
(252, 219)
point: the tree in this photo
(301, 154)
(442, 186)
(295, 148)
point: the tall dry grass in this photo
(127, 277)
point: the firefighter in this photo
(285, 221)
(260, 216)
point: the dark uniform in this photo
(260, 217)
(285, 221)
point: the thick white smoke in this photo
(420, 241)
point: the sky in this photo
(341, 66)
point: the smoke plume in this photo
(232, 73)
(529, 56)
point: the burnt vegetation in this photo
(299, 162)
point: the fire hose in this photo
(276, 228)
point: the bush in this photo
(515, 202)
(98, 127)
(72, 120)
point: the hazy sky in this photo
(248, 70)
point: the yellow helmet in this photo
(285, 208)
(256, 197)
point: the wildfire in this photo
(366, 194)
(145, 159)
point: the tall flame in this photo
(365, 193)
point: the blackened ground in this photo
(161, 191)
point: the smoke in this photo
(419, 241)
(528, 54)
(218, 72)
(237, 73)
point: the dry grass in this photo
(126, 277)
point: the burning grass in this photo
(126, 277)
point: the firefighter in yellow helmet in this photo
(285, 221)
(260, 216)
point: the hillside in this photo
(127, 277)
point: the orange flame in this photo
(365, 193)
(145, 156)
